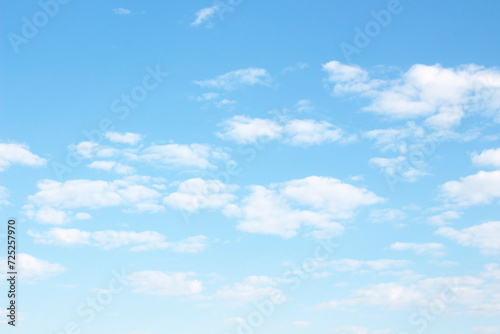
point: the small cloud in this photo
(204, 15)
(122, 11)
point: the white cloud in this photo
(199, 156)
(121, 11)
(487, 158)
(338, 72)
(431, 248)
(265, 211)
(112, 166)
(297, 132)
(32, 269)
(124, 138)
(232, 80)
(442, 95)
(243, 129)
(162, 284)
(175, 155)
(329, 195)
(252, 288)
(420, 294)
(53, 197)
(480, 188)
(484, 236)
(272, 210)
(304, 106)
(397, 139)
(309, 132)
(204, 15)
(18, 154)
(225, 103)
(46, 215)
(208, 96)
(397, 168)
(137, 241)
(443, 218)
(195, 194)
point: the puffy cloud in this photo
(196, 156)
(195, 194)
(489, 157)
(162, 284)
(480, 188)
(329, 195)
(296, 132)
(309, 132)
(243, 129)
(124, 138)
(235, 79)
(137, 241)
(429, 248)
(280, 209)
(442, 95)
(484, 236)
(53, 197)
(32, 269)
(18, 154)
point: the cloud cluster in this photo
(315, 201)
(444, 96)
(297, 132)
(54, 200)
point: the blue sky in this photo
(252, 166)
